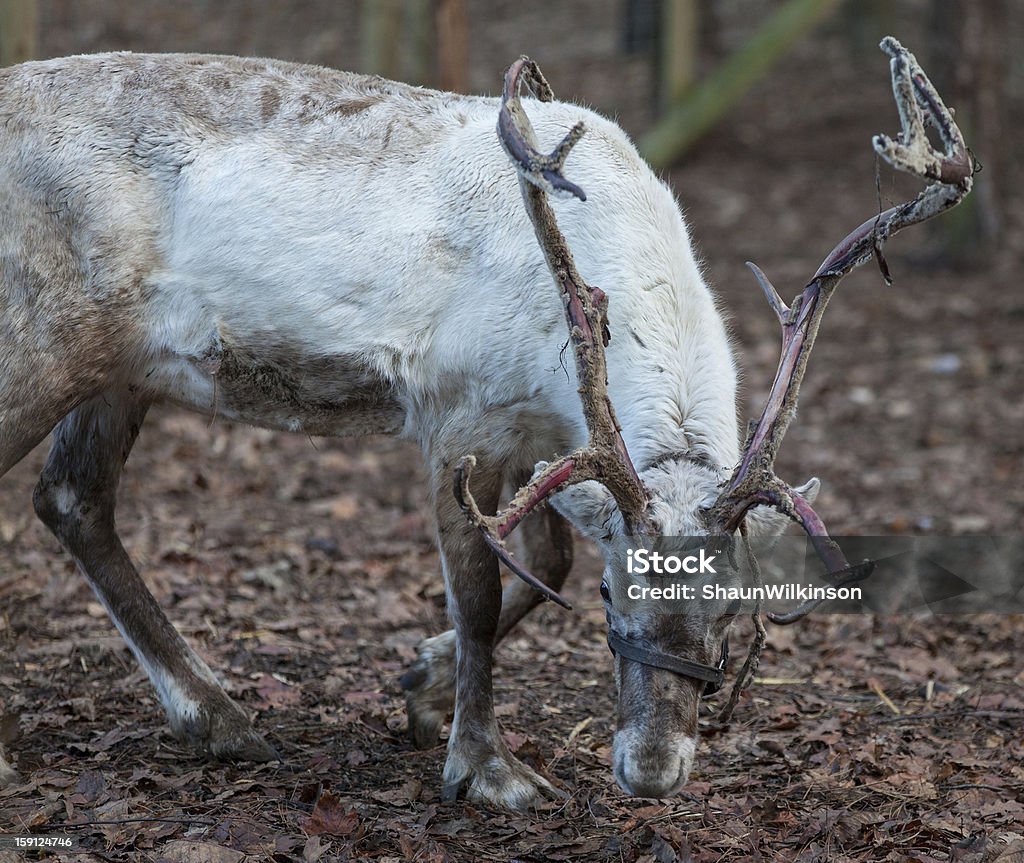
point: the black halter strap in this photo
(712, 675)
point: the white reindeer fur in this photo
(392, 237)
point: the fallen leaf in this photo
(275, 693)
(402, 796)
(331, 817)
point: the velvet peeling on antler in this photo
(754, 481)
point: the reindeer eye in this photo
(606, 594)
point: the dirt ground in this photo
(305, 572)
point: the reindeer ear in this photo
(768, 521)
(591, 509)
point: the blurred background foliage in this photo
(668, 70)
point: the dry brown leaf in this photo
(331, 817)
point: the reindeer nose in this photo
(662, 780)
(651, 772)
(648, 785)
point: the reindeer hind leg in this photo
(75, 498)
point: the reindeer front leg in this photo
(478, 760)
(429, 684)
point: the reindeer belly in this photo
(329, 395)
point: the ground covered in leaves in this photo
(304, 571)
(307, 577)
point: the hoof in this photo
(429, 686)
(220, 729)
(500, 781)
(246, 746)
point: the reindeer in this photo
(311, 250)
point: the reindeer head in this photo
(671, 649)
(670, 653)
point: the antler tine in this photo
(604, 458)
(837, 578)
(518, 139)
(496, 528)
(754, 482)
(919, 103)
(774, 300)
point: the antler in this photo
(754, 482)
(604, 458)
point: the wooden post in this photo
(452, 45)
(19, 31)
(379, 36)
(973, 52)
(677, 49)
(419, 34)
